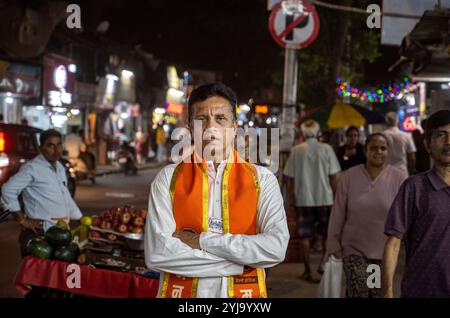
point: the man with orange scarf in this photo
(215, 221)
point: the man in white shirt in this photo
(402, 150)
(43, 183)
(312, 168)
(217, 259)
(74, 144)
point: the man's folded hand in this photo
(188, 237)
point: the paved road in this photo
(116, 190)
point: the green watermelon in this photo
(65, 254)
(57, 236)
(39, 248)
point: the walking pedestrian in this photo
(356, 230)
(313, 172)
(420, 218)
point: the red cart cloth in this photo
(93, 282)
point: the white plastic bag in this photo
(331, 282)
(151, 154)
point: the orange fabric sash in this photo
(240, 193)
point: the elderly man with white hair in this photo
(313, 171)
(402, 149)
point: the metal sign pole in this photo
(287, 128)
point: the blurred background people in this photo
(352, 153)
(161, 141)
(401, 146)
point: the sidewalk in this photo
(111, 169)
(283, 280)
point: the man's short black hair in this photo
(204, 92)
(48, 134)
(436, 120)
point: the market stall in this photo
(102, 257)
(93, 282)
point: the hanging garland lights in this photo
(377, 95)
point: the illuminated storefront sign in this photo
(175, 108)
(409, 124)
(59, 81)
(261, 109)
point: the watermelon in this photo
(39, 248)
(65, 254)
(57, 236)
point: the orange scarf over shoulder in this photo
(189, 191)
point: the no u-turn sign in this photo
(294, 29)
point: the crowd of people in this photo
(379, 196)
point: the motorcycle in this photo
(127, 159)
(83, 168)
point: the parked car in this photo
(18, 144)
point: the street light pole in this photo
(287, 123)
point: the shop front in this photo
(20, 84)
(58, 92)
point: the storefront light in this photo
(411, 99)
(112, 77)
(124, 115)
(160, 110)
(75, 112)
(9, 100)
(58, 120)
(250, 123)
(60, 109)
(245, 108)
(268, 121)
(175, 93)
(127, 73)
(72, 68)
(39, 107)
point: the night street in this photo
(311, 140)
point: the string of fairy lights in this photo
(379, 95)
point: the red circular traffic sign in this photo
(294, 31)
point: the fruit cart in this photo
(103, 257)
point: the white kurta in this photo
(220, 255)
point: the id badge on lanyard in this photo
(215, 225)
